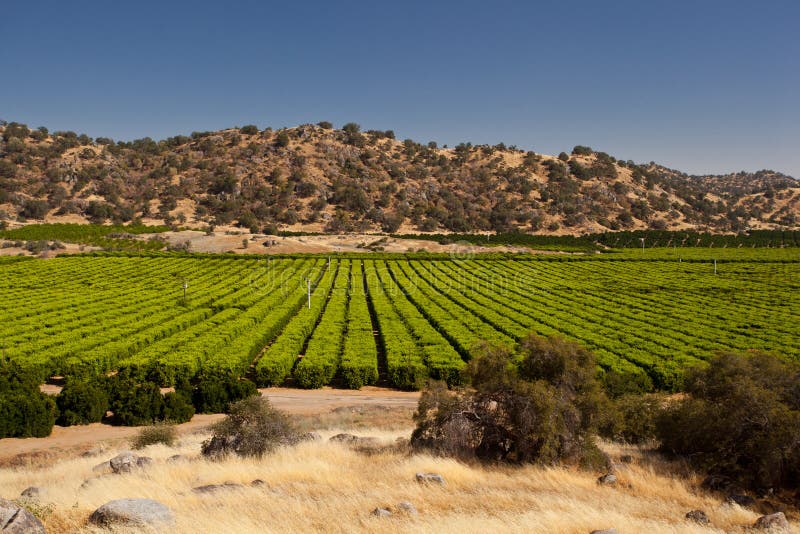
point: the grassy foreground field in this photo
(328, 487)
(390, 320)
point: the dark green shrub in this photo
(134, 402)
(166, 434)
(24, 410)
(81, 402)
(740, 420)
(215, 394)
(282, 139)
(632, 418)
(178, 407)
(325, 125)
(253, 428)
(563, 156)
(250, 129)
(541, 403)
(581, 150)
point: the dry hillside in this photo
(316, 178)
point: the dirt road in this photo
(295, 401)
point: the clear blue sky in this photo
(703, 85)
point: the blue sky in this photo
(703, 86)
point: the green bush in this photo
(252, 429)
(215, 394)
(250, 129)
(134, 402)
(581, 150)
(24, 410)
(178, 407)
(740, 420)
(632, 418)
(540, 403)
(166, 434)
(81, 402)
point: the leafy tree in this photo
(215, 394)
(740, 420)
(282, 139)
(540, 403)
(81, 402)
(581, 150)
(250, 129)
(135, 402)
(24, 410)
(34, 209)
(325, 125)
(563, 156)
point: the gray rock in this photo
(213, 488)
(609, 479)
(776, 521)
(356, 441)
(430, 478)
(139, 512)
(257, 483)
(17, 520)
(104, 467)
(31, 493)
(381, 512)
(126, 462)
(407, 508)
(175, 458)
(741, 500)
(698, 516)
(605, 531)
(97, 451)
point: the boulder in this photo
(213, 488)
(31, 493)
(698, 516)
(355, 441)
(776, 521)
(257, 483)
(381, 512)
(17, 520)
(430, 478)
(138, 512)
(741, 500)
(609, 479)
(126, 462)
(407, 508)
(102, 468)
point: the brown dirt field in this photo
(317, 402)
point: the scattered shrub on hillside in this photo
(249, 129)
(325, 125)
(166, 434)
(282, 139)
(24, 410)
(253, 428)
(540, 403)
(740, 420)
(81, 401)
(581, 150)
(215, 394)
(563, 156)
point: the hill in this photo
(321, 179)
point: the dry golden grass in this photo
(326, 487)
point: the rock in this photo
(407, 507)
(741, 500)
(605, 531)
(17, 520)
(357, 441)
(311, 436)
(31, 493)
(430, 478)
(126, 462)
(212, 488)
(718, 483)
(775, 521)
(257, 482)
(97, 451)
(381, 512)
(139, 512)
(175, 458)
(609, 479)
(104, 467)
(698, 516)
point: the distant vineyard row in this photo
(392, 321)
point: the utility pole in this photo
(185, 286)
(642, 240)
(715, 266)
(308, 280)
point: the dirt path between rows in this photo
(295, 401)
